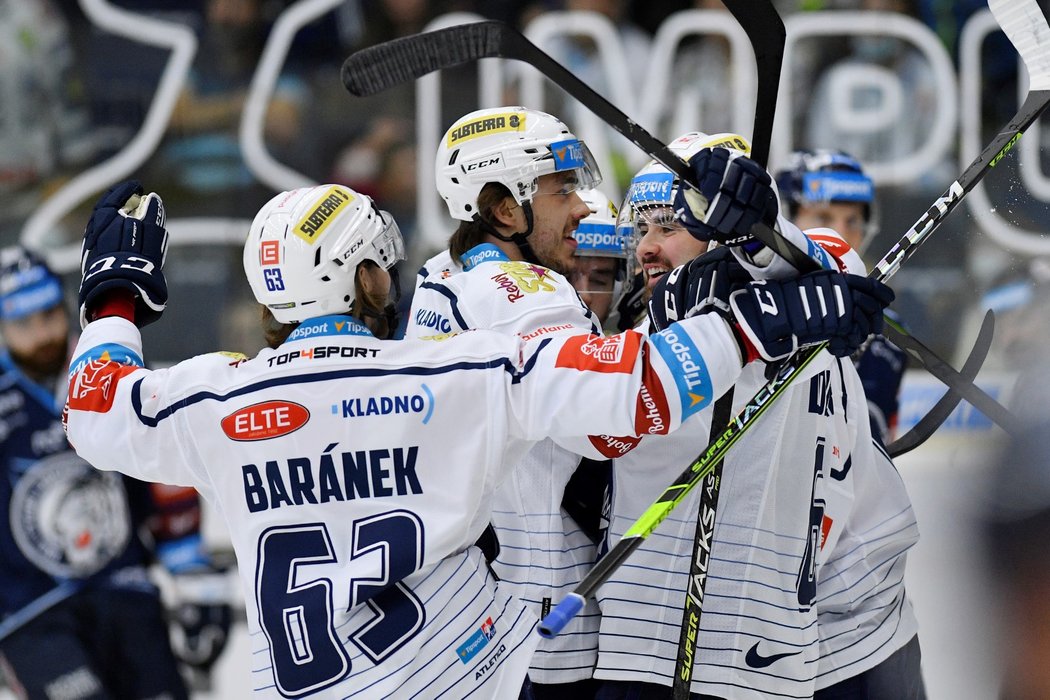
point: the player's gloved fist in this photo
(702, 285)
(735, 193)
(777, 317)
(125, 244)
(202, 618)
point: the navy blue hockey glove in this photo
(125, 244)
(735, 193)
(778, 317)
(702, 285)
(202, 618)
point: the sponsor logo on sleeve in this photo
(483, 126)
(332, 202)
(687, 364)
(547, 330)
(477, 641)
(265, 421)
(826, 524)
(595, 353)
(611, 446)
(652, 415)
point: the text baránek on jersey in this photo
(332, 476)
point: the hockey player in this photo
(602, 276)
(758, 635)
(356, 474)
(516, 191)
(829, 189)
(79, 616)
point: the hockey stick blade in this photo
(1034, 105)
(956, 381)
(936, 416)
(380, 67)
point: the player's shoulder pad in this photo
(830, 240)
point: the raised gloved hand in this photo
(125, 244)
(735, 193)
(202, 617)
(700, 286)
(777, 317)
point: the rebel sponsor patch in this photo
(595, 353)
(518, 278)
(265, 421)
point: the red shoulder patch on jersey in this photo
(595, 353)
(266, 420)
(95, 386)
(833, 245)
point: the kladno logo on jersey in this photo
(427, 318)
(333, 201)
(521, 278)
(596, 353)
(477, 641)
(366, 406)
(265, 420)
(483, 126)
(68, 518)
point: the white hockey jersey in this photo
(543, 552)
(354, 475)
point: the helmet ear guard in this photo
(304, 246)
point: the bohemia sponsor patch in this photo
(596, 353)
(264, 421)
(94, 387)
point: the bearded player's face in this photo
(38, 342)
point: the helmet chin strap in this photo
(518, 238)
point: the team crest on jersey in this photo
(520, 278)
(68, 518)
(596, 353)
(94, 387)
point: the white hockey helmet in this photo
(598, 236)
(651, 194)
(304, 246)
(512, 146)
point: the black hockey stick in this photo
(1027, 28)
(955, 380)
(933, 419)
(765, 31)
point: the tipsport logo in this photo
(837, 187)
(568, 155)
(654, 188)
(477, 641)
(421, 403)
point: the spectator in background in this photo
(79, 615)
(44, 125)
(829, 125)
(201, 158)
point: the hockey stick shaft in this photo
(936, 416)
(1035, 103)
(766, 33)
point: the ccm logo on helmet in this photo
(266, 420)
(511, 121)
(311, 225)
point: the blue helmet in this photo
(821, 176)
(27, 284)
